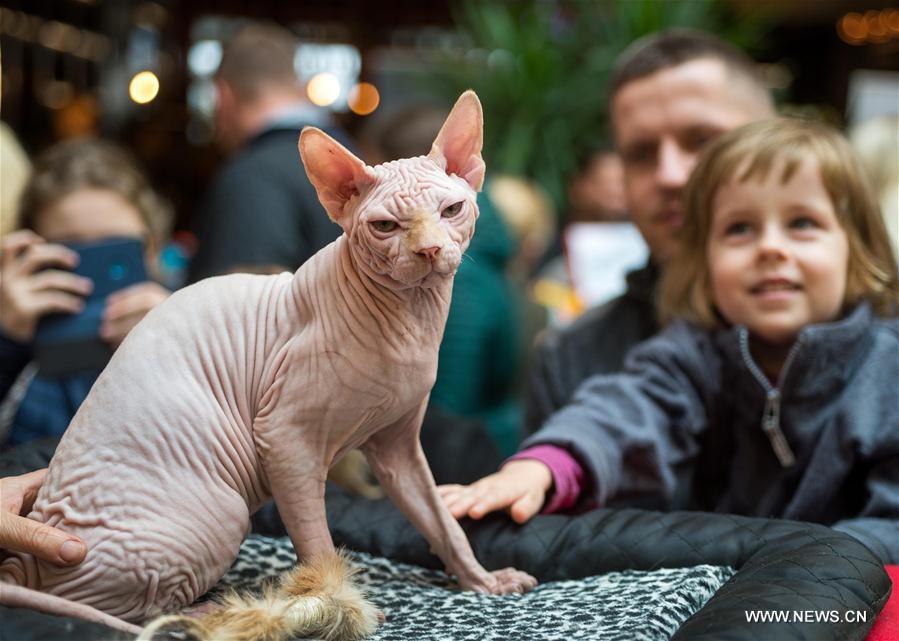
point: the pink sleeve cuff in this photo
(568, 475)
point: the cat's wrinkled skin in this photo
(244, 387)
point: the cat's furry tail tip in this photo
(323, 595)
(316, 599)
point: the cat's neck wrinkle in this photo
(393, 315)
(338, 291)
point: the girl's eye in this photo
(736, 229)
(803, 222)
(452, 210)
(384, 225)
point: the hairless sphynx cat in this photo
(244, 387)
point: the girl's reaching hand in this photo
(519, 486)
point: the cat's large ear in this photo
(333, 170)
(458, 145)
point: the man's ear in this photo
(333, 170)
(458, 145)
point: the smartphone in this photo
(69, 343)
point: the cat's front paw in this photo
(510, 580)
(505, 581)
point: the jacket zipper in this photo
(773, 398)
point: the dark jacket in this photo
(45, 406)
(691, 395)
(261, 210)
(14, 356)
(596, 343)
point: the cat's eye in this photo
(452, 210)
(384, 225)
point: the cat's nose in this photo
(429, 252)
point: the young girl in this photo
(776, 387)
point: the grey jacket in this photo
(820, 445)
(596, 343)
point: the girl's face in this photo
(90, 214)
(778, 257)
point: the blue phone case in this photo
(67, 343)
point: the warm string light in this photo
(872, 27)
(54, 35)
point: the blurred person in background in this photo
(595, 195)
(14, 170)
(80, 191)
(877, 142)
(261, 209)
(670, 93)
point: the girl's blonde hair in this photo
(685, 290)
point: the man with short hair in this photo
(670, 93)
(261, 212)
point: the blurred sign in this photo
(599, 257)
(872, 94)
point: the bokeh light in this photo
(891, 20)
(363, 98)
(204, 57)
(323, 89)
(852, 29)
(874, 27)
(144, 87)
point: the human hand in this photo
(125, 308)
(30, 289)
(17, 494)
(519, 485)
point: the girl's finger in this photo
(54, 279)
(55, 301)
(525, 507)
(140, 298)
(115, 331)
(14, 243)
(44, 255)
(491, 501)
(460, 506)
(450, 488)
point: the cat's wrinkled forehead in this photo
(407, 185)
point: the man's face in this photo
(661, 122)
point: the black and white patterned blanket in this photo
(422, 604)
